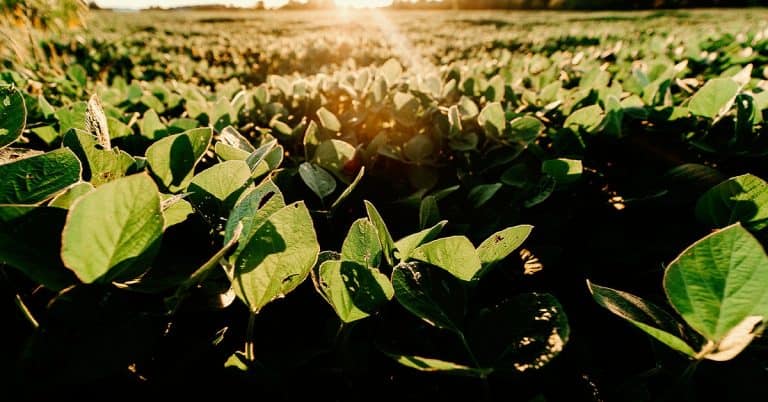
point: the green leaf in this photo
(252, 210)
(13, 115)
(492, 119)
(436, 365)
(645, 315)
(418, 148)
(714, 99)
(265, 159)
(455, 254)
(110, 230)
(521, 334)
(37, 178)
(481, 194)
(391, 71)
(335, 156)
(214, 191)
(430, 294)
(408, 243)
(429, 213)
(525, 129)
(99, 165)
(77, 73)
(310, 140)
(151, 126)
(30, 241)
(587, 119)
(353, 290)
(362, 244)
(719, 281)
(317, 179)
(387, 244)
(175, 209)
(328, 120)
(499, 245)
(563, 170)
(173, 159)
(347, 191)
(230, 136)
(68, 197)
(406, 108)
(739, 199)
(277, 258)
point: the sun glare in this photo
(362, 3)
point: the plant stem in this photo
(476, 363)
(27, 313)
(249, 337)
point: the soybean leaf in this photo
(173, 159)
(387, 244)
(586, 119)
(406, 245)
(563, 170)
(353, 290)
(252, 210)
(347, 191)
(362, 244)
(430, 294)
(99, 165)
(714, 99)
(736, 340)
(175, 209)
(277, 258)
(437, 365)
(328, 120)
(30, 241)
(499, 245)
(37, 178)
(739, 199)
(151, 126)
(70, 195)
(645, 315)
(492, 119)
(481, 194)
(335, 156)
(317, 179)
(429, 213)
(13, 115)
(455, 254)
(112, 231)
(406, 108)
(719, 281)
(214, 191)
(521, 334)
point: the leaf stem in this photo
(27, 313)
(476, 363)
(249, 337)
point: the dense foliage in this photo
(414, 205)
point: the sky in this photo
(240, 3)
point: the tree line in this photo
(539, 4)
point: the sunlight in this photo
(362, 3)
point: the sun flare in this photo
(362, 3)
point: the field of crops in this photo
(339, 205)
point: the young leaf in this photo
(455, 254)
(714, 99)
(13, 115)
(328, 120)
(214, 191)
(492, 119)
(719, 281)
(563, 170)
(67, 198)
(128, 226)
(173, 159)
(317, 179)
(362, 244)
(499, 245)
(406, 245)
(429, 213)
(276, 258)
(643, 314)
(335, 155)
(353, 290)
(740, 199)
(436, 365)
(252, 210)
(387, 244)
